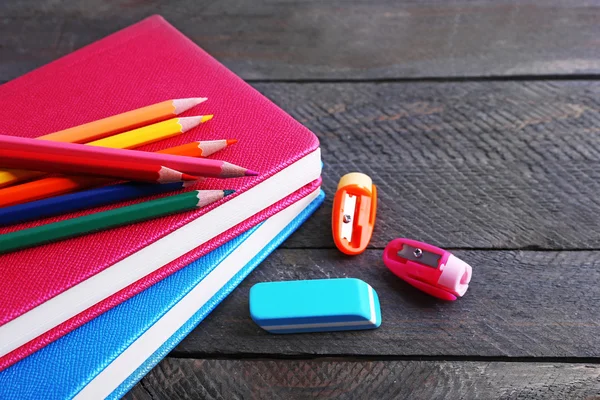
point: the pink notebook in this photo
(47, 291)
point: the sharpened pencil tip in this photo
(249, 172)
(188, 123)
(228, 192)
(207, 117)
(182, 105)
(187, 177)
(231, 141)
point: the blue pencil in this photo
(83, 200)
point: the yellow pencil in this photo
(126, 140)
(151, 133)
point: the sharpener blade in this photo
(426, 258)
(348, 211)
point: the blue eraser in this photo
(318, 305)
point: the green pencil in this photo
(109, 219)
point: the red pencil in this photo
(190, 165)
(74, 165)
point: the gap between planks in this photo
(442, 79)
(432, 79)
(362, 358)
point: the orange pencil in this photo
(124, 122)
(47, 187)
(55, 186)
(199, 149)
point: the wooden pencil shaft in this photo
(82, 200)
(141, 136)
(48, 187)
(197, 149)
(194, 166)
(11, 176)
(112, 125)
(127, 140)
(121, 122)
(98, 221)
(79, 165)
(188, 150)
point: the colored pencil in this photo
(83, 200)
(124, 122)
(47, 187)
(190, 165)
(109, 219)
(127, 140)
(199, 149)
(55, 186)
(77, 165)
(151, 133)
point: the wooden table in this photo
(480, 123)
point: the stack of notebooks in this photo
(88, 317)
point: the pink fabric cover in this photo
(143, 64)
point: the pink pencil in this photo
(190, 165)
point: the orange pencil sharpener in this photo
(353, 217)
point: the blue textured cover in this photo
(51, 373)
(315, 305)
(185, 329)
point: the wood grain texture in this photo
(519, 304)
(471, 165)
(330, 379)
(340, 39)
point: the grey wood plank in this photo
(519, 304)
(338, 379)
(469, 164)
(340, 39)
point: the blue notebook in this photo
(107, 356)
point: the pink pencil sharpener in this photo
(428, 268)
